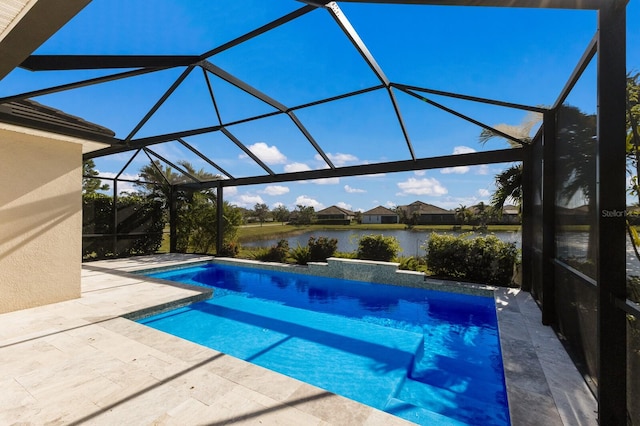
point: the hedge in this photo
(486, 260)
(378, 247)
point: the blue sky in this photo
(515, 55)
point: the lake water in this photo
(412, 242)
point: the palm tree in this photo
(509, 181)
(520, 131)
(159, 180)
(197, 215)
(91, 183)
(508, 187)
(462, 214)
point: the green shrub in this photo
(413, 264)
(322, 248)
(486, 260)
(378, 247)
(346, 254)
(229, 249)
(300, 255)
(277, 253)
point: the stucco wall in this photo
(40, 219)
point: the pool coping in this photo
(109, 369)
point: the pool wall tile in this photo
(367, 271)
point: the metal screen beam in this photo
(404, 87)
(233, 80)
(611, 207)
(158, 104)
(310, 138)
(175, 166)
(220, 217)
(362, 49)
(78, 84)
(527, 211)
(471, 159)
(204, 157)
(465, 117)
(36, 26)
(550, 131)
(583, 63)
(258, 31)
(127, 164)
(537, 4)
(86, 62)
(246, 150)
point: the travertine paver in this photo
(79, 362)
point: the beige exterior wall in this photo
(40, 218)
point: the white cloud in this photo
(230, 191)
(390, 205)
(302, 167)
(247, 200)
(275, 190)
(455, 202)
(326, 181)
(344, 205)
(460, 170)
(351, 190)
(268, 154)
(419, 172)
(303, 200)
(426, 186)
(296, 167)
(126, 187)
(482, 170)
(339, 159)
(483, 192)
(463, 150)
(376, 175)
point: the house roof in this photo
(32, 114)
(510, 209)
(333, 210)
(381, 211)
(425, 208)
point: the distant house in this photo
(510, 214)
(335, 213)
(380, 215)
(428, 214)
(574, 216)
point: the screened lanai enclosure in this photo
(258, 94)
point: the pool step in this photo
(297, 342)
(474, 380)
(420, 415)
(461, 343)
(453, 405)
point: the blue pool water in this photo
(426, 356)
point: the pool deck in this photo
(81, 362)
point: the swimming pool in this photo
(426, 356)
